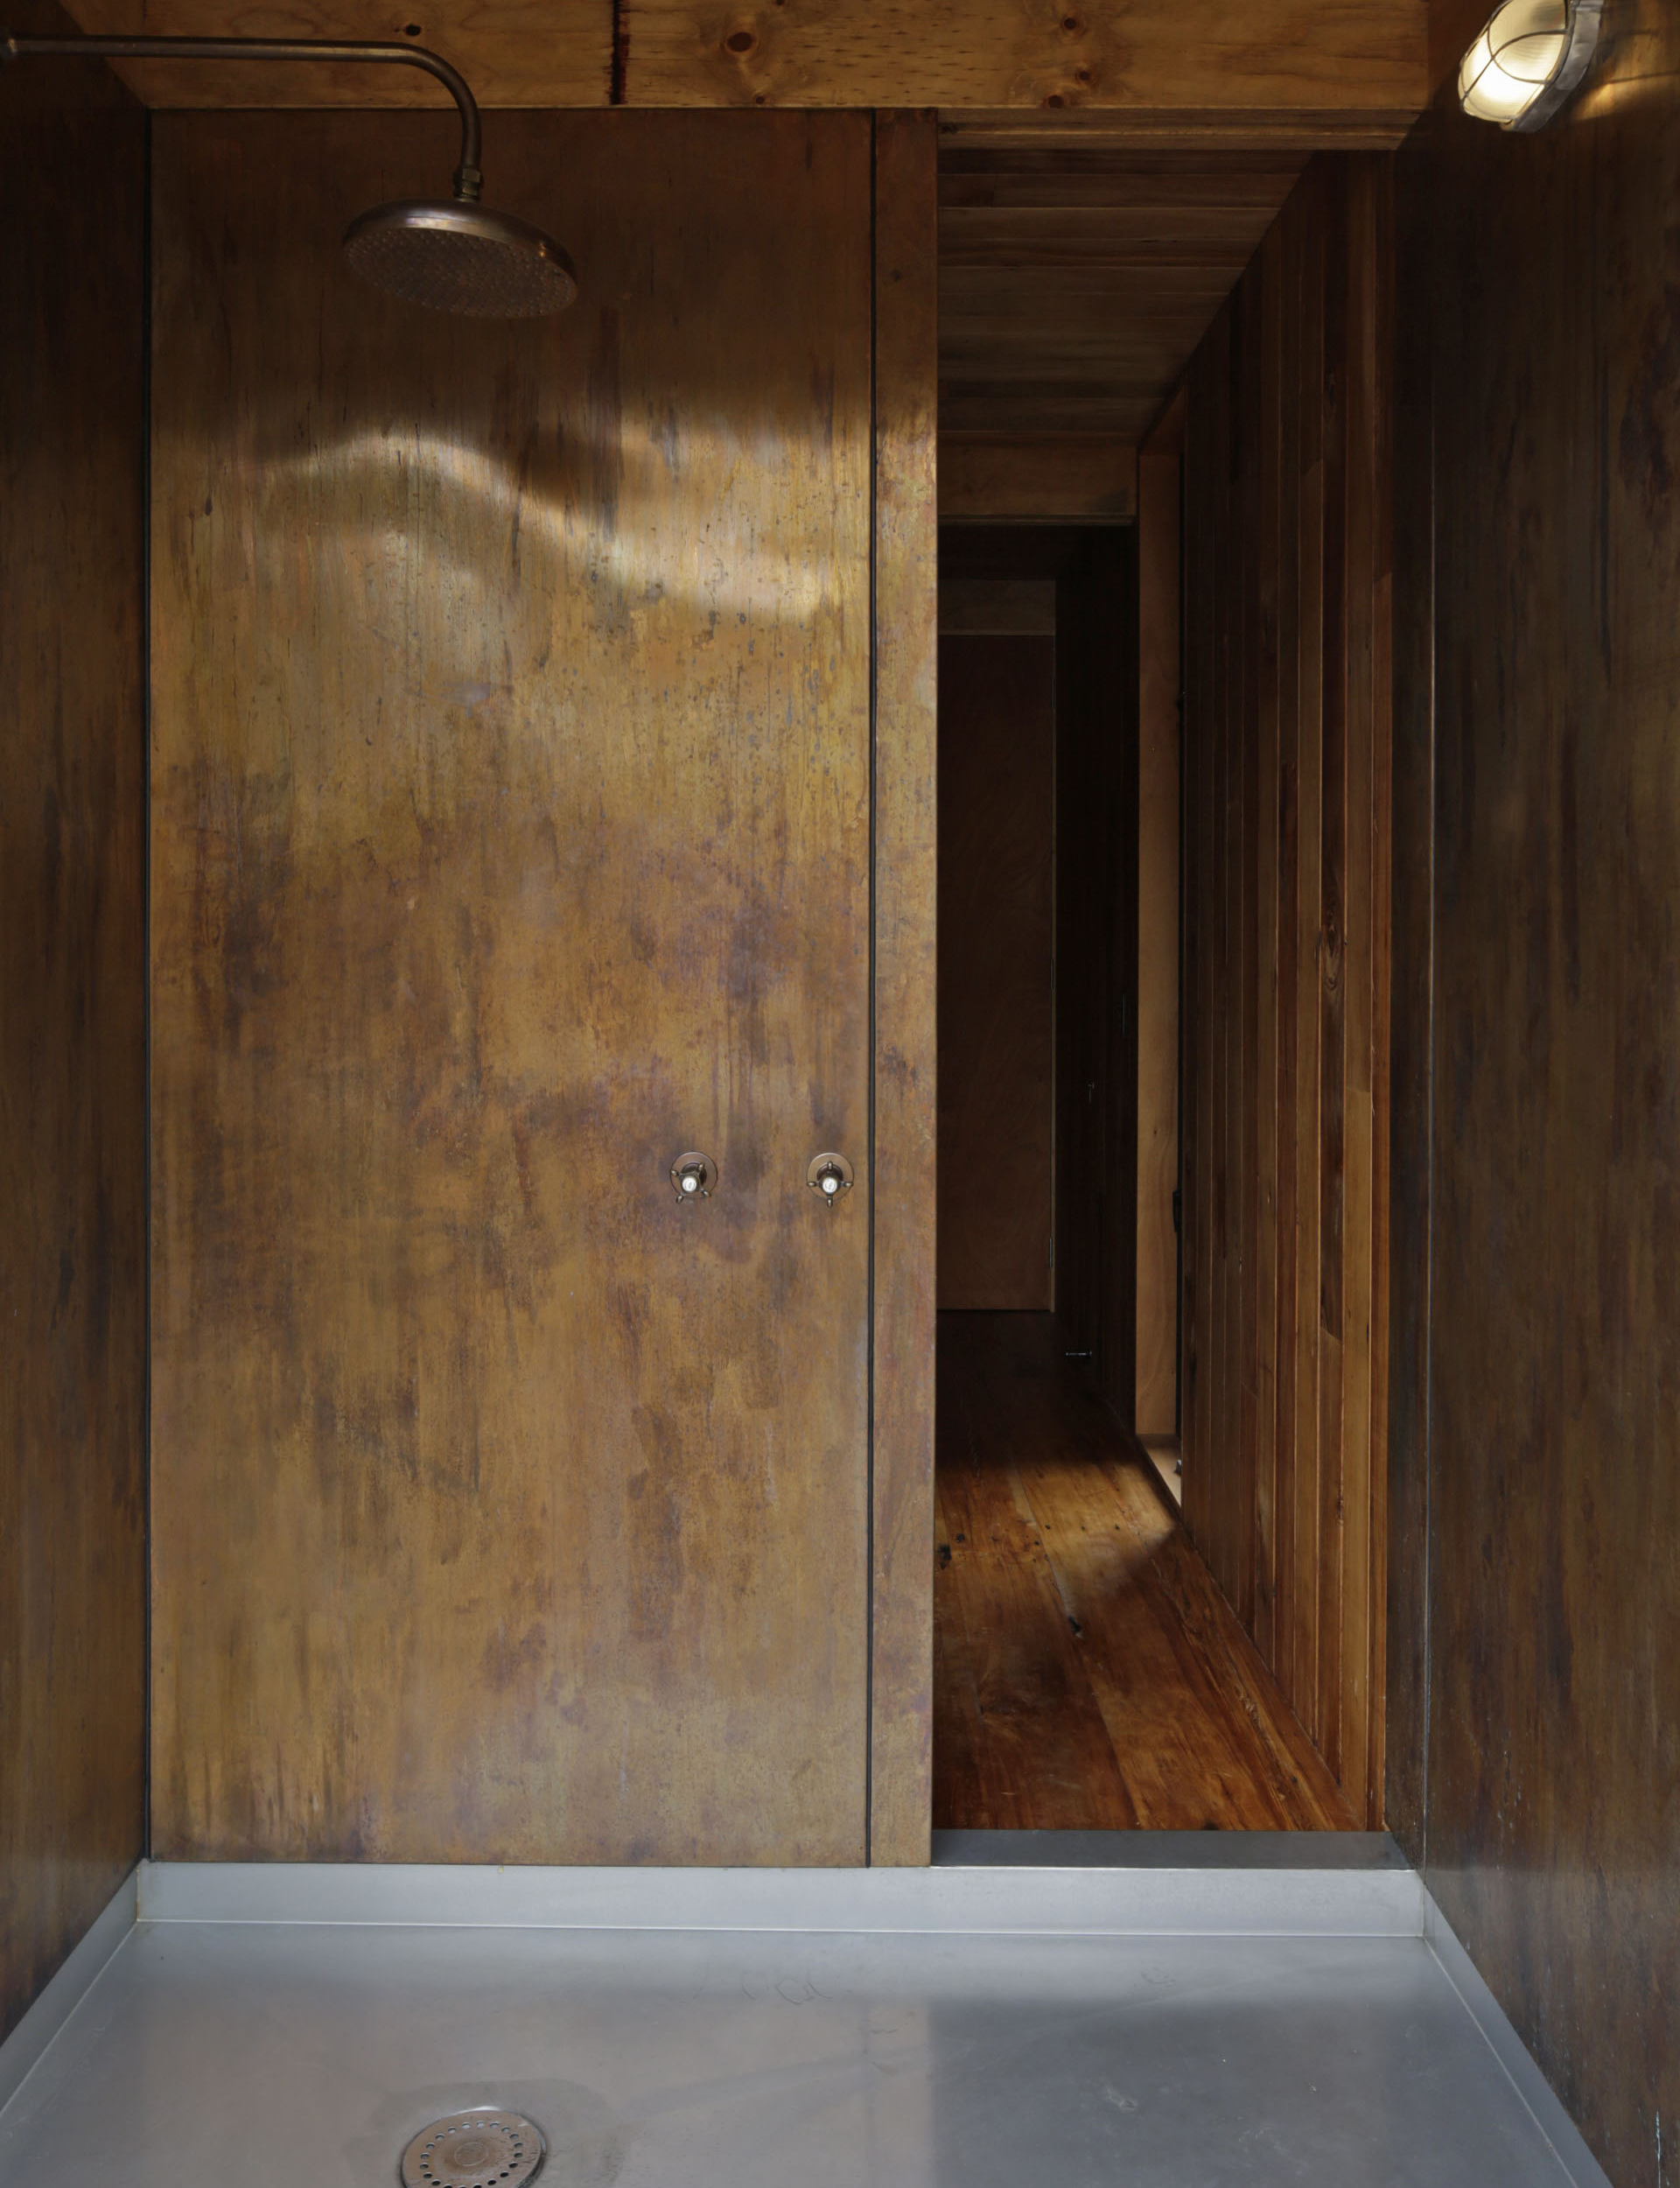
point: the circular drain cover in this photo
(484, 2148)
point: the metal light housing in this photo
(1528, 58)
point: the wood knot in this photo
(741, 41)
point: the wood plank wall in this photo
(1160, 666)
(1535, 1717)
(511, 833)
(1358, 62)
(73, 995)
(1285, 1035)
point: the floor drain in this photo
(485, 2148)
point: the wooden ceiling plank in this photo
(1351, 57)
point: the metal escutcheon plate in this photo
(829, 1176)
(693, 1175)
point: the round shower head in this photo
(461, 257)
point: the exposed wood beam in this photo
(1218, 74)
(1037, 478)
(512, 52)
(1352, 56)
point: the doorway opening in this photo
(1162, 987)
(1088, 1675)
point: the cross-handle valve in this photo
(829, 1175)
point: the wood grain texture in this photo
(72, 980)
(1292, 130)
(1077, 280)
(1056, 478)
(1159, 677)
(511, 833)
(1286, 1238)
(1090, 1677)
(1412, 900)
(1345, 65)
(1342, 55)
(905, 980)
(1536, 905)
(997, 969)
(513, 53)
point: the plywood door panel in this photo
(511, 834)
(996, 881)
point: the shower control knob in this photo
(693, 1175)
(829, 1175)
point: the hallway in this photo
(1088, 1673)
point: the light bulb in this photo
(1520, 56)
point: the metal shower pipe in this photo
(469, 179)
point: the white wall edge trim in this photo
(1542, 2102)
(1071, 1902)
(23, 2049)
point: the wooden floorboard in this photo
(1089, 1675)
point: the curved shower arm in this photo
(468, 176)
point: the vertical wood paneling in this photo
(1226, 1031)
(1383, 396)
(1289, 1413)
(72, 1006)
(1265, 463)
(1160, 472)
(907, 664)
(1300, 1682)
(1287, 740)
(1196, 1272)
(1537, 892)
(1246, 1151)
(1332, 973)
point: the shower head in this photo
(453, 255)
(461, 257)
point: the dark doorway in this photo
(997, 913)
(1088, 1675)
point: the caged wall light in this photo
(1529, 56)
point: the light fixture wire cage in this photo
(1499, 81)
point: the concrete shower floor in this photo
(235, 2055)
